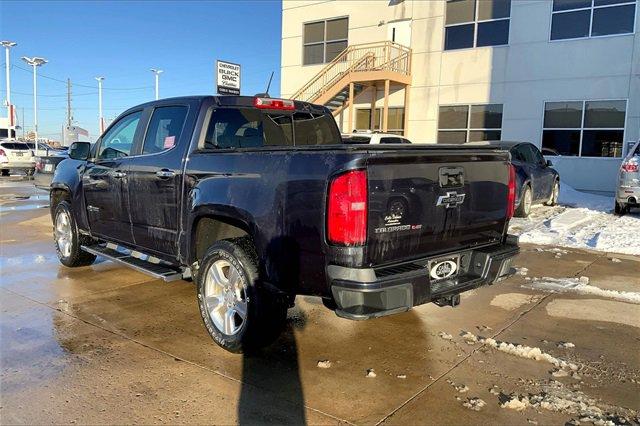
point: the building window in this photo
(591, 18)
(469, 123)
(324, 40)
(395, 124)
(476, 23)
(584, 128)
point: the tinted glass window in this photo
(484, 135)
(609, 2)
(314, 32)
(602, 143)
(604, 114)
(458, 37)
(314, 54)
(460, 11)
(637, 151)
(118, 141)
(570, 4)
(516, 154)
(15, 145)
(453, 117)
(164, 129)
(455, 137)
(337, 29)
(535, 153)
(564, 142)
(315, 129)
(493, 9)
(486, 116)
(613, 20)
(493, 33)
(390, 140)
(570, 25)
(563, 114)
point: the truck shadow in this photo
(275, 368)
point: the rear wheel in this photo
(68, 240)
(524, 208)
(620, 209)
(5, 172)
(239, 313)
(555, 193)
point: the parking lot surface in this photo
(106, 344)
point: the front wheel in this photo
(620, 209)
(555, 193)
(67, 238)
(239, 314)
(524, 208)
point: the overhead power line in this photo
(83, 85)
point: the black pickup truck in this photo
(257, 200)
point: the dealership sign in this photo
(227, 78)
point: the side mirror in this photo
(80, 150)
(549, 163)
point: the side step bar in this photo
(135, 260)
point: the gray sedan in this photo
(628, 190)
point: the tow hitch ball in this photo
(452, 301)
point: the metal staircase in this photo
(356, 68)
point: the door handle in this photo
(118, 174)
(165, 174)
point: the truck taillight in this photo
(511, 192)
(629, 167)
(347, 209)
(270, 103)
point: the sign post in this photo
(227, 78)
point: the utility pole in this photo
(157, 73)
(8, 45)
(35, 62)
(23, 123)
(69, 117)
(100, 118)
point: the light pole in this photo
(35, 62)
(8, 45)
(101, 124)
(157, 74)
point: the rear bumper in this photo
(628, 195)
(18, 165)
(369, 293)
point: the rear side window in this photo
(165, 128)
(251, 128)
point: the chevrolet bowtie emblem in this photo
(452, 199)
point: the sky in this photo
(122, 40)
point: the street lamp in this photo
(101, 124)
(157, 74)
(8, 45)
(35, 62)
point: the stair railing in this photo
(377, 56)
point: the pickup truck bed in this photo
(273, 196)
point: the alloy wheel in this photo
(63, 233)
(225, 297)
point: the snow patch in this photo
(445, 336)
(324, 364)
(371, 373)
(474, 404)
(582, 221)
(580, 286)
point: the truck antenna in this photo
(266, 92)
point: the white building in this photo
(564, 74)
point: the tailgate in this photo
(423, 204)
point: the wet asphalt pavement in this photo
(106, 344)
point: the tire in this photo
(620, 209)
(526, 200)
(5, 172)
(68, 240)
(239, 313)
(30, 172)
(555, 193)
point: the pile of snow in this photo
(581, 286)
(523, 351)
(556, 397)
(474, 404)
(581, 220)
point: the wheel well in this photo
(56, 196)
(208, 230)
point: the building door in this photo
(400, 32)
